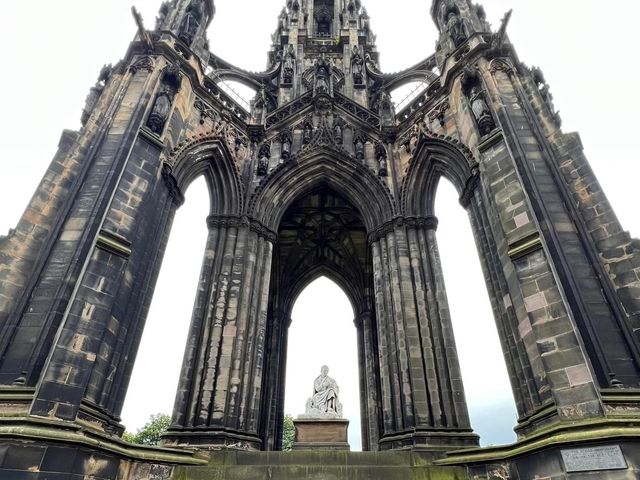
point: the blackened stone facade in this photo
(321, 177)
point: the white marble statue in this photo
(324, 402)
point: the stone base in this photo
(330, 434)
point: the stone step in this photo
(319, 465)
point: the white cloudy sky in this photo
(53, 51)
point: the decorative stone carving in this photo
(170, 84)
(285, 142)
(479, 107)
(358, 145)
(545, 93)
(324, 402)
(162, 14)
(307, 132)
(260, 105)
(288, 65)
(357, 66)
(455, 28)
(322, 77)
(481, 111)
(338, 130)
(191, 22)
(95, 93)
(264, 154)
(381, 157)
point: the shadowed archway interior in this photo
(320, 234)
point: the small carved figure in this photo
(285, 142)
(160, 112)
(338, 130)
(545, 93)
(358, 145)
(324, 402)
(194, 16)
(264, 154)
(260, 105)
(307, 131)
(322, 77)
(95, 93)
(455, 29)
(288, 65)
(381, 156)
(481, 111)
(357, 66)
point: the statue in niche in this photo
(159, 113)
(381, 157)
(288, 65)
(307, 131)
(285, 142)
(324, 402)
(194, 16)
(260, 104)
(322, 77)
(264, 154)
(358, 145)
(338, 130)
(481, 111)
(455, 29)
(357, 66)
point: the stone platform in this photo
(326, 434)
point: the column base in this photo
(210, 439)
(435, 441)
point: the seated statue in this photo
(324, 402)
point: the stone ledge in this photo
(39, 430)
(560, 434)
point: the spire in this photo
(188, 19)
(457, 21)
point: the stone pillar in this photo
(369, 380)
(275, 375)
(220, 391)
(423, 401)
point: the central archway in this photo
(321, 233)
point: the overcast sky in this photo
(53, 51)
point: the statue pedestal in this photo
(321, 434)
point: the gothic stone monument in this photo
(321, 177)
(322, 425)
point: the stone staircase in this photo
(319, 465)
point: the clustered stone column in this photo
(369, 379)
(220, 390)
(423, 403)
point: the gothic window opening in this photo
(324, 19)
(322, 332)
(486, 381)
(155, 375)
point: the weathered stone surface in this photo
(322, 177)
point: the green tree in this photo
(150, 433)
(288, 434)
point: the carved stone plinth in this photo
(321, 434)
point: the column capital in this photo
(429, 222)
(242, 221)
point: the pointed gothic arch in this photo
(208, 154)
(339, 171)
